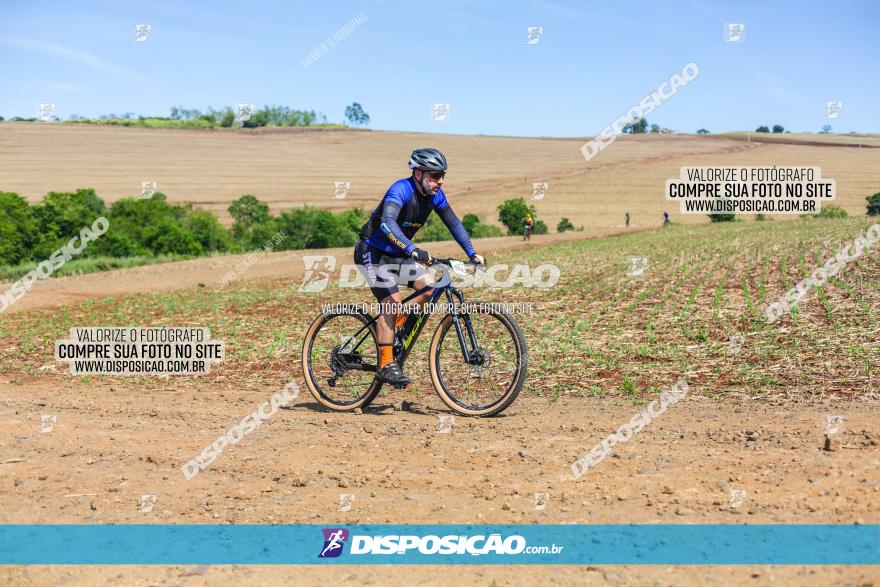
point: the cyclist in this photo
(385, 240)
(528, 226)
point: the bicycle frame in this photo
(412, 330)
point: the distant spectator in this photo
(665, 218)
(627, 218)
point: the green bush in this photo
(19, 230)
(265, 234)
(470, 221)
(134, 222)
(722, 217)
(207, 231)
(169, 238)
(874, 204)
(564, 224)
(832, 211)
(116, 244)
(134, 218)
(485, 231)
(61, 215)
(312, 228)
(248, 214)
(539, 227)
(247, 211)
(477, 229)
(435, 230)
(511, 214)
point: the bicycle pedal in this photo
(400, 385)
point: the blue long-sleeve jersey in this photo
(402, 212)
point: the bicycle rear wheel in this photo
(340, 367)
(493, 379)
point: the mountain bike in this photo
(477, 357)
(527, 232)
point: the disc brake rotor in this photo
(481, 362)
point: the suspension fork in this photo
(466, 350)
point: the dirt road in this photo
(108, 447)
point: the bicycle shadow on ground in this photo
(383, 409)
(374, 409)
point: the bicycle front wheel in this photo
(496, 372)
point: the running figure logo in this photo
(734, 32)
(440, 111)
(341, 189)
(539, 188)
(147, 502)
(141, 32)
(318, 271)
(832, 109)
(245, 111)
(736, 497)
(334, 540)
(833, 424)
(148, 189)
(46, 111)
(48, 422)
(535, 33)
(637, 266)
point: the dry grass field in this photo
(292, 167)
(840, 140)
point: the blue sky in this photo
(593, 62)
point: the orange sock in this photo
(398, 322)
(386, 355)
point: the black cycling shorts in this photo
(369, 260)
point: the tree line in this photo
(152, 227)
(226, 117)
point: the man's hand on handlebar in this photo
(477, 259)
(425, 258)
(421, 255)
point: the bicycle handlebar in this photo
(449, 261)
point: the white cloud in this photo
(62, 52)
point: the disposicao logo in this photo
(334, 540)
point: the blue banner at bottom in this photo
(649, 544)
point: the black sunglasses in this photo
(435, 174)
